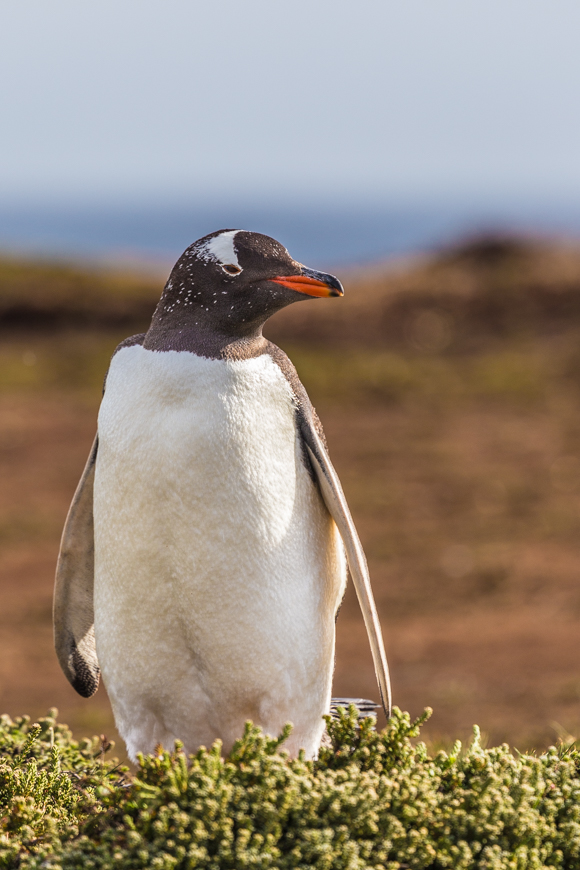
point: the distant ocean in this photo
(340, 234)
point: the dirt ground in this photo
(464, 484)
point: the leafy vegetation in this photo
(371, 800)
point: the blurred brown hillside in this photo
(489, 287)
(449, 388)
(52, 295)
(486, 287)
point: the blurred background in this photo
(427, 153)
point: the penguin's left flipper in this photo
(73, 610)
(336, 503)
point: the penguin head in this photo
(234, 280)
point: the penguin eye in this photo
(231, 269)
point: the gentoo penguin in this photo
(202, 562)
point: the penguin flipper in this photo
(336, 503)
(73, 610)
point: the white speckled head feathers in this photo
(225, 286)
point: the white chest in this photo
(216, 436)
(217, 565)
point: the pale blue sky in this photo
(403, 99)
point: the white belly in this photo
(218, 569)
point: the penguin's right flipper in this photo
(73, 610)
(336, 503)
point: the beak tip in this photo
(336, 287)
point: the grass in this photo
(371, 800)
(388, 377)
(78, 360)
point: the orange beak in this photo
(312, 283)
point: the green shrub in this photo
(50, 787)
(371, 800)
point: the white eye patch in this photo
(221, 249)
